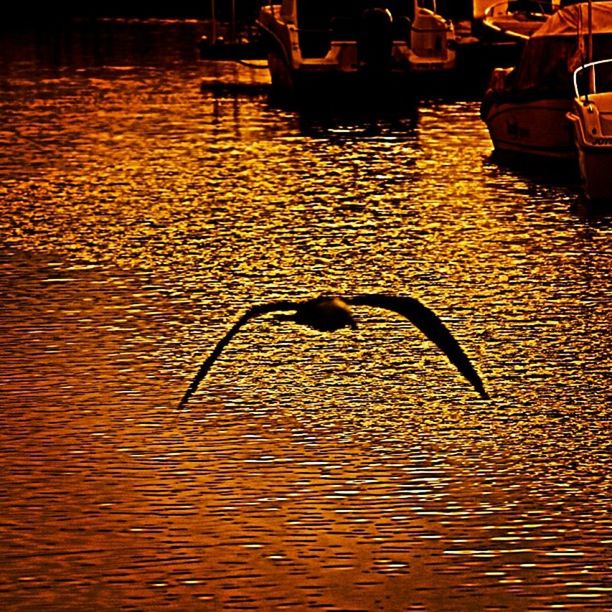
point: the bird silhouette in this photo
(328, 313)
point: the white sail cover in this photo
(558, 47)
(573, 19)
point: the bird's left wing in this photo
(254, 311)
(430, 324)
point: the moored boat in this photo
(515, 22)
(317, 45)
(591, 117)
(525, 108)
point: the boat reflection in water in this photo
(525, 107)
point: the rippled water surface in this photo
(147, 200)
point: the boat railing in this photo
(518, 19)
(593, 78)
(534, 8)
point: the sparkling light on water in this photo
(142, 215)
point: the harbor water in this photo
(147, 200)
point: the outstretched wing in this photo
(254, 311)
(431, 325)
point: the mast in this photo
(213, 18)
(590, 46)
(233, 23)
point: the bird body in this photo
(329, 313)
(325, 314)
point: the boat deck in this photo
(513, 26)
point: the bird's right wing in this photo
(431, 325)
(254, 311)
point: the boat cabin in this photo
(321, 21)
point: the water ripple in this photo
(142, 214)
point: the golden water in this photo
(141, 215)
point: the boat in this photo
(314, 46)
(591, 117)
(525, 108)
(513, 22)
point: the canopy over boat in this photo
(574, 18)
(559, 46)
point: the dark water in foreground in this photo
(354, 471)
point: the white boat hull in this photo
(591, 118)
(595, 170)
(594, 149)
(537, 128)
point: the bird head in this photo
(325, 313)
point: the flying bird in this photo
(328, 313)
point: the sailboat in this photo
(315, 46)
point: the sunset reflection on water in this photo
(142, 214)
